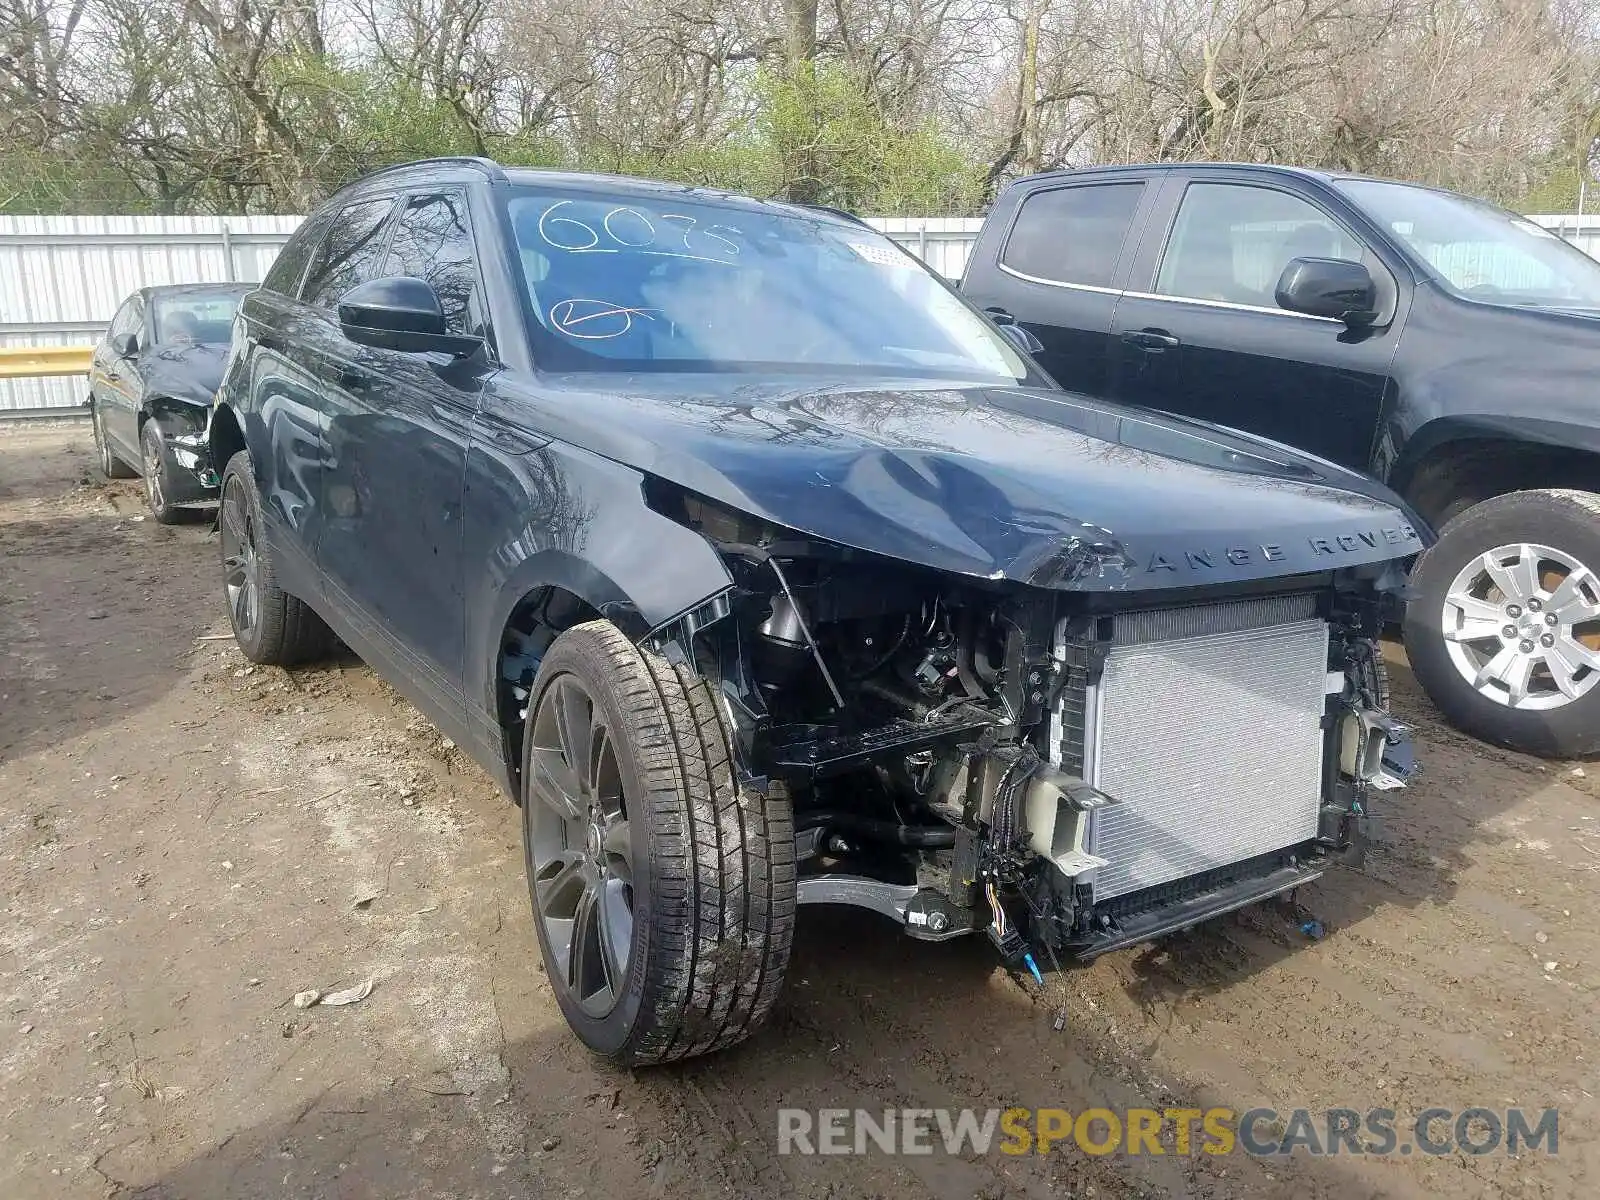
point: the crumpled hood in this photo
(1027, 484)
(183, 370)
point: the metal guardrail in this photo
(32, 362)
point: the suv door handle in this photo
(352, 380)
(1150, 339)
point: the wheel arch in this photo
(547, 594)
(1452, 460)
(226, 436)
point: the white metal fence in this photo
(61, 278)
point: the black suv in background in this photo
(1444, 345)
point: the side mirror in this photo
(1329, 287)
(125, 345)
(402, 314)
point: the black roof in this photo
(457, 170)
(1321, 176)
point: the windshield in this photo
(670, 284)
(1482, 251)
(195, 318)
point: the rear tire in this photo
(111, 466)
(270, 625)
(1503, 628)
(663, 893)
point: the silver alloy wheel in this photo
(1516, 621)
(152, 472)
(239, 569)
(582, 858)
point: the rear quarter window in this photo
(1073, 235)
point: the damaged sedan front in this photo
(764, 571)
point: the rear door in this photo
(114, 381)
(394, 454)
(1059, 267)
(1198, 331)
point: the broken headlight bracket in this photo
(1375, 749)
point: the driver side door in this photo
(1199, 333)
(394, 454)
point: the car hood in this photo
(183, 370)
(1033, 485)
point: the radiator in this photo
(1206, 726)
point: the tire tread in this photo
(721, 856)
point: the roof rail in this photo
(487, 165)
(843, 213)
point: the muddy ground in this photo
(187, 841)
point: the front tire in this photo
(270, 625)
(1503, 628)
(663, 892)
(160, 482)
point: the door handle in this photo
(1150, 339)
(352, 380)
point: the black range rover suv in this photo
(1447, 346)
(763, 570)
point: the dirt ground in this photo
(187, 841)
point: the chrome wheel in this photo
(1521, 623)
(581, 858)
(240, 570)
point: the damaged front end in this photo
(1070, 771)
(185, 431)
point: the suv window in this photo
(349, 253)
(1231, 242)
(432, 241)
(289, 267)
(1073, 234)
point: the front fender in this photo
(185, 427)
(556, 516)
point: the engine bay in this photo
(943, 740)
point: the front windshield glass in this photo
(195, 317)
(1482, 251)
(646, 283)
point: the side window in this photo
(1232, 241)
(348, 254)
(1073, 234)
(433, 241)
(289, 267)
